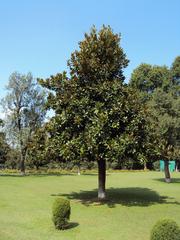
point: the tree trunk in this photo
(79, 171)
(23, 160)
(145, 166)
(166, 171)
(22, 164)
(23, 153)
(101, 179)
(177, 166)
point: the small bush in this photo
(165, 230)
(61, 213)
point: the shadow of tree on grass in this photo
(173, 180)
(134, 196)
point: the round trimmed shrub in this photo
(61, 213)
(165, 230)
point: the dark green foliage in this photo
(4, 149)
(61, 212)
(165, 109)
(165, 230)
(175, 74)
(13, 160)
(175, 69)
(97, 116)
(38, 154)
(148, 78)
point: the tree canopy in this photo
(147, 78)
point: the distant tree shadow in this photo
(89, 174)
(35, 174)
(11, 175)
(134, 196)
(173, 180)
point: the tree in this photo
(98, 117)
(165, 109)
(159, 90)
(147, 78)
(24, 107)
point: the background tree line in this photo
(99, 119)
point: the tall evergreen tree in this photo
(97, 117)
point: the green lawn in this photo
(136, 201)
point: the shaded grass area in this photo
(130, 197)
(135, 201)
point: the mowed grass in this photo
(136, 200)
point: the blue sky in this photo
(38, 36)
